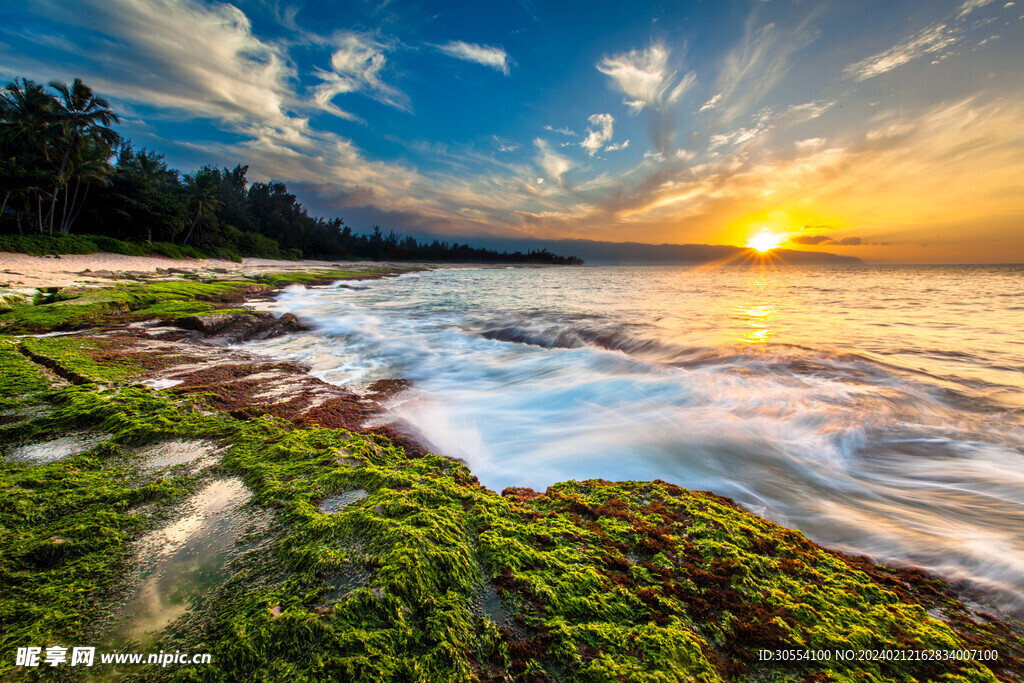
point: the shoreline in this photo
(670, 553)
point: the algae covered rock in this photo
(235, 327)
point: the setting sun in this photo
(765, 240)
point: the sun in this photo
(765, 240)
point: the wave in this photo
(897, 448)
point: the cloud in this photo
(756, 64)
(504, 145)
(616, 147)
(970, 5)
(554, 166)
(215, 69)
(810, 239)
(809, 144)
(563, 131)
(830, 241)
(357, 66)
(487, 55)
(929, 41)
(596, 138)
(798, 113)
(712, 103)
(645, 78)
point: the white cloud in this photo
(809, 144)
(357, 65)
(798, 113)
(554, 166)
(487, 55)
(616, 147)
(970, 5)
(564, 131)
(711, 103)
(216, 69)
(929, 41)
(504, 145)
(644, 77)
(596, 138)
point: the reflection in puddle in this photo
(492, 607)
(15, 416)
(350, 578)
(161, 383)
(56, 449)
(340, 501)
(178, 452)
(183, 561)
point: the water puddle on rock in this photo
(490, 604)
(350, 578)
(45, 452)
(340, 501)
(161, 383)
(183, 561)
(16, 416)
(197, 452)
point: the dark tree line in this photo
(64, 168)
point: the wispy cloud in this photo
(554, 166)
(597, 137)
(970, 5)
(564, 130)
(712, 102)
(617, 146)
(815, 240)
(239, 77)
(357, 66)
(932, 40)
(487, 55)
(756, 65)
(645, 78)
(504, 145)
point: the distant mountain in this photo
(635, 253)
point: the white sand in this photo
(23, 273)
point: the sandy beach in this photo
(23, 273)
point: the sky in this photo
(891, 130)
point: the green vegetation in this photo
(55, 175)
(73, 308)
(417, 573)
(42, 245)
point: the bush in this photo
(292, 254)
(41, 245)
(255, 244)
(226, 254)
(116, 246)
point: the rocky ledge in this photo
(360, 556)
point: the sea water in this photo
(878, 409)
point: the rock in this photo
(238, 327)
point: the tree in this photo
(88, 166)
(203, 192)
(27, 113)
(81, 115)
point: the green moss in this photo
(21, 380)
(81, 359)
(74, 308)
(320, 277)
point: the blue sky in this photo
(888, 130)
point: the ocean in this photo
(878, 409)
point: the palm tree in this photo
(81, 115)
(88, 166)
(26, 119)
(203, 192)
